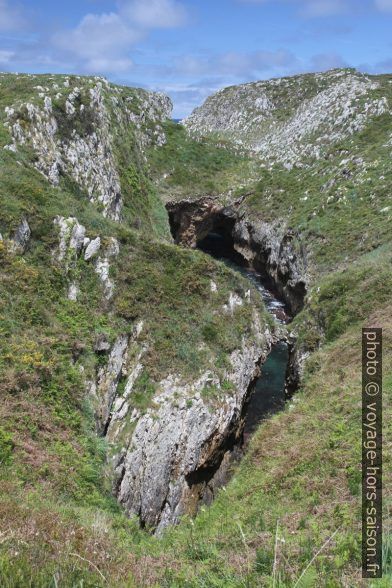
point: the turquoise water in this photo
(268, 395)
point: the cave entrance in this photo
(267, 392)
(212, 231)
(220, 244)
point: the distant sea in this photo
(176, 120)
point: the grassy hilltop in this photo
(297, 491)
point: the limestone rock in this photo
(102, 267)
(317, 110)
(101, 345)
(273, 248)
(107, 381)
(73, 291)
(160, 471)
(234, 300)
(83, 149)
(92, 248)
(21, 237)
(71, 238)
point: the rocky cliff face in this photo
(166, 459)
(273, 249)
(72, 125)
(169, 442)
(291, 120)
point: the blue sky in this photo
(191, 48)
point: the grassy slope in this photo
(355, 206)
(51, 463)
(185, 168)
(30, 195)
(59, 525)
(302, 474)
(302, 477)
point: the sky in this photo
(191, 48)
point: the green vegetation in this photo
(345, 298)
(185, 167)
(6, 446)
(290, 516)
(298, 486)
(284, 504)
(171, 293)
(340, 203)
(32, 194)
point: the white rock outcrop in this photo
(73, 244)
(78, 140)
(21, 237)
(102, 267)
(92, 248)
(158, 466)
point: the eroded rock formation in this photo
(71, 133)
(178, 446)
(288, 120)
(273, 249)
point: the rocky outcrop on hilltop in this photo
(290, 120)
(71, 128)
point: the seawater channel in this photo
(268, 396)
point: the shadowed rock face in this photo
(273, 249)
(179, 450)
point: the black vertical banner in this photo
(372, 453)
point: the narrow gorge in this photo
(165, 290)
(273, 250)
(263, 255)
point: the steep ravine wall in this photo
(273, 249)
(167, 455)
(169, 459)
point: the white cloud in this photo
(11, 18)
(153, 14)
(325, 61)
(384, 5)
(101, 41)
(234, 63)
